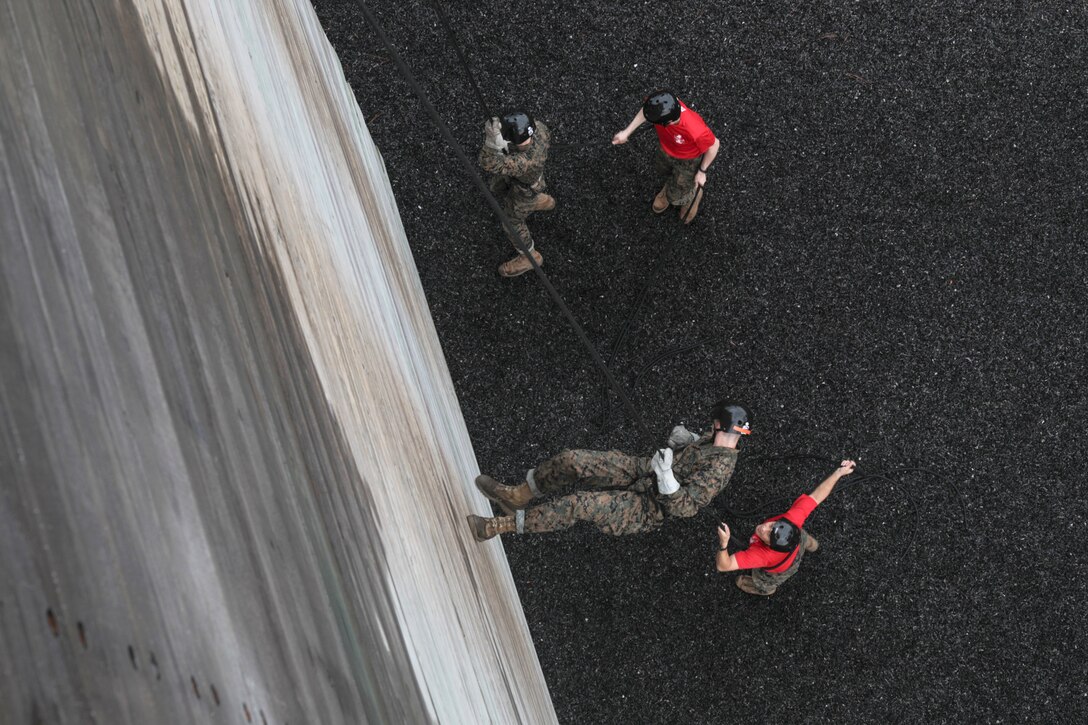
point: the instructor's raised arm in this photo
(824, 489)
(622, 136)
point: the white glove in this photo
(681, 437)
(662, 465)
(493, 135)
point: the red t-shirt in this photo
(687, 138)
(760, 556)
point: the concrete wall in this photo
(233, 471)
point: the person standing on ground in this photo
(643, 491)
(775, 550)
(687, 149)
(514, 152)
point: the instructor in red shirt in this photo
(688, 148)
(775, 550)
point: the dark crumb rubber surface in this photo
(889, 264)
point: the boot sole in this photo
(473, 530)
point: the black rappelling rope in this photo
(663, 356)
(606, 406)
(694, 200)
(410, 79)
(617, 344)
(484, 105)
(770, 506)
(621, 338)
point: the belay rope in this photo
(484, 105)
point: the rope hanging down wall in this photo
(484, 105)
(410, 79)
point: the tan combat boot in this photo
(519, 264)
(746, 585)
(661, 201)
(509, 498)
(483, 529)
(811, 544)
(543, 202)
(687, 213)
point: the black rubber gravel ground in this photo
(889, 264)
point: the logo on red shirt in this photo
(688, 138)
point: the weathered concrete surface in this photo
(233, 468)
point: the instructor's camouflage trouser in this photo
(517, 202)
(680, 188)
(630, 510)
(767, 583)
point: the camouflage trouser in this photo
(767, 583)
(517, 201)
(680, 188)
(629, 510)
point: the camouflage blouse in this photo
(526, 166)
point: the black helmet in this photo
(785, 535)
(661, 107)
(517, 127)
(734, 418)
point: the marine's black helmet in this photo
(517, 127)
(661, 108)
(785, 535)
(733, 418)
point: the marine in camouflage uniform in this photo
(633, 504)
(518, 183)
(679, 177)
(627, 494)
